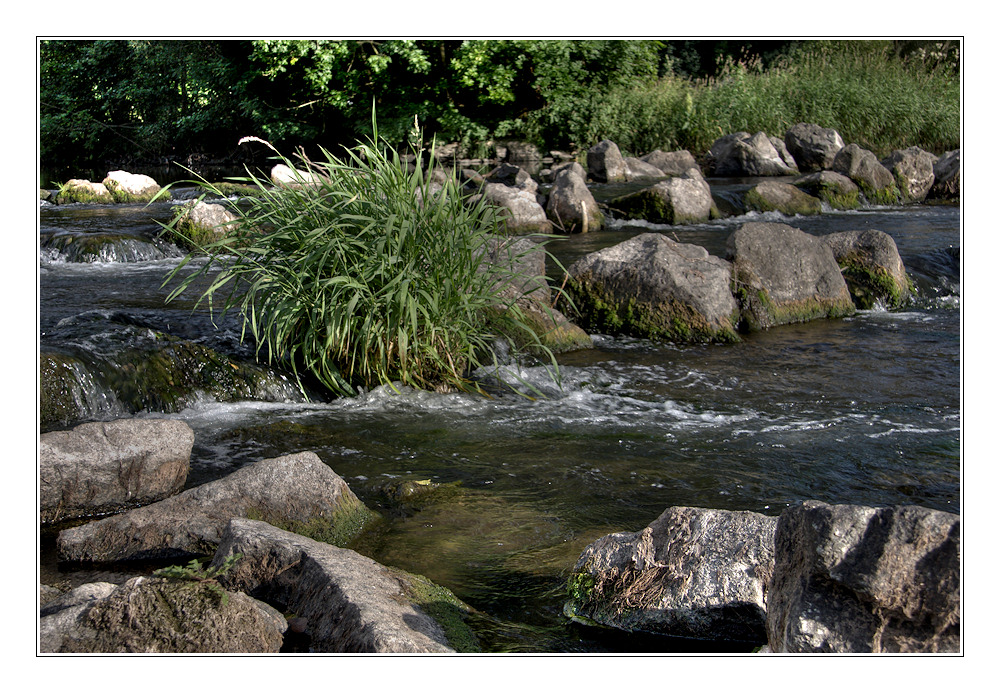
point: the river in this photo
(865, 409)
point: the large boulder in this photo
(518, 209)
(784, 275)
(813, 147)
(285, 176)
(743, 154)
(160, 615)
(651, 286)
(349, 602)
(785, 198)
(947, 176)
(84, 191)
(850, 578)
(298, 492)
(671, 163)
(913, 169)
(836, 189)
(201, 223)
(132, 187)
(680, 200)
(872, 267)
(863, 167)
(571, 206)
(98, 468)
(636, 170)
(693, 573)
(605, 163)
(513, 176)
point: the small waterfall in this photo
(100, 247)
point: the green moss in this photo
(669, 321)
(758, 311)
(804, 205)
(69, 195)
(443, 606)
(226, 189)
(888, 195)
(340, 528)
(123, 196)
(870, 285)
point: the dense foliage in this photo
(124, 101)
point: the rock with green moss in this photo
(775, 196)
(680, 200)
(297, 491)
(692, 573)
(862, 166)
(83, 191)
(872, 267)
(105, 247)
(783, 275)
(160, 615)
(199, 224)
(836, 189)
(651, 286)
(913, 169)
(347, 602)
(128, 187)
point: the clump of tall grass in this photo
(367, 274)
(862, 89)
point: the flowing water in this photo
(864, 410)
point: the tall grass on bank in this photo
(860, 88)
(366, 274)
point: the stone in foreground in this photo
(350, 602)
(297, 491)
(850, 578)
(872, 268)
(693, 573)
(103, 467)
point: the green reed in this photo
(365, 274)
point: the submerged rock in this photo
(872, 267)
(103, 467)
(298, 492)
(104, 247)
(651, 286)
(784, 275)
(850, 578)
(158, 615)
(349, 603)
(693, 573)
(774, 196)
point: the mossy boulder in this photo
(651, 286)
(872, 267)
(913, 169)
(199, 224)
(128, 187)
(876, 182)
(296, 491)
(83, 191)
(836, 189)
(679, 200)
(783, 275)
(775, 196)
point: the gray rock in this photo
(571, 206)
(775, 196)
(512, 176)
(913, 169)
(605, 163)
(836, 189)
(296, 491)
(637, 169)
(85, 594)
(783, 275)
(671, 163)
(813, 147)
(104, 467)
(948, 176)
(350, 602)
(680, 200)
(743, 154)
(872, 267)
(522, 151)
(861, 166)
(286, 176)
(850, 578)
(201, 217)
(519, 210)
(524, 259)
(651, 286)
(693, 572)
(157, 615)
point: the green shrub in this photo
(369, 276)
